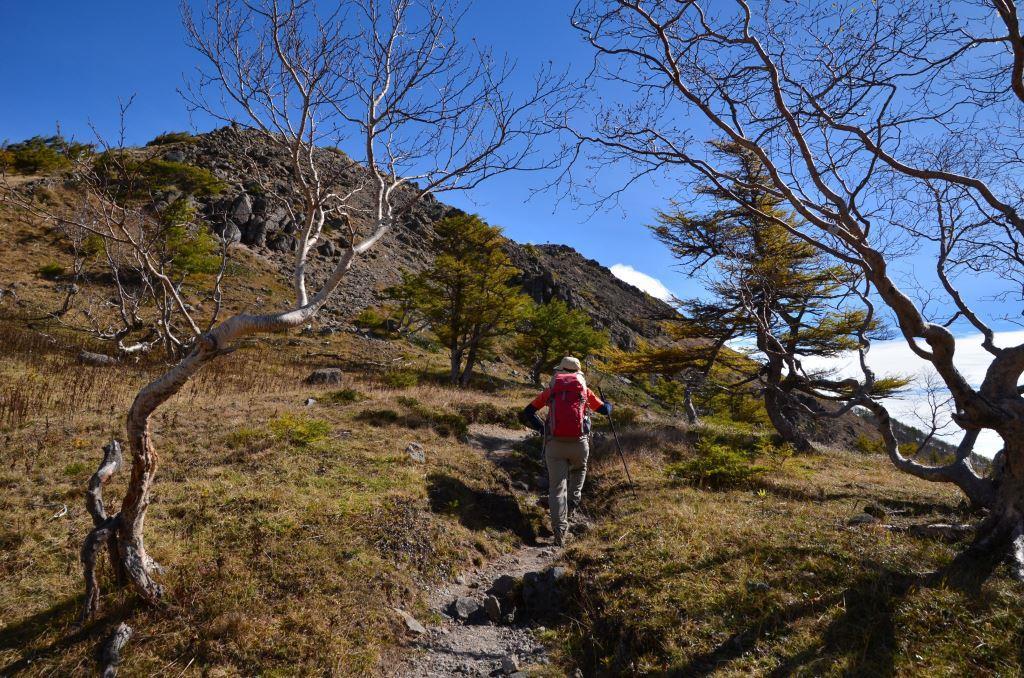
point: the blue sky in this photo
(68, 62)
(72, 60)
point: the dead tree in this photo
(877, 125)
(387, 78)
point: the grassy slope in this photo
(289, 532)
(769, 579)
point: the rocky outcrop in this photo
(244, 212)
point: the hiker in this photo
(566, 438)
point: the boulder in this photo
(862, 519)
(326, 375)
(492, 606)
(465, 608)
(411, 625)
(231, 233)
(241, 209)
(416, 452)
(175, 155)
(503, 587)
(509, 664)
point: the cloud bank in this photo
(896, 358)
(647, 283)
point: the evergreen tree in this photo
(550, 331)
(766, 285)
(466, 298)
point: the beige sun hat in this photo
(569, 364)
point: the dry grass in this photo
(288, 532)
(770, 580)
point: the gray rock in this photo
(310, 402)
(509, 664)
(541, 482)
(231, 233)
(327, 249)
(942, 531)
(521, 486)
(861, 519)
(411, 625)
(493, 609)
(326, 375)
(175, 155)
(503, 586)
(758, 587)
(464, 608)
(241, 210)
(96, 359)
(416, 452)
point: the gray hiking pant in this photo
(567, 469)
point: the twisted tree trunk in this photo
(123, 532)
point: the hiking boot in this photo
(574, 508)
(563, 539)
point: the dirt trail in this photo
(455, 648)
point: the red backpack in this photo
(567, 405)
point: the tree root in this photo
(110, 657)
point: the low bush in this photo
(342, 396)
(400, 379)
(51, 270)
(299, 431)
(717, 467)
(489, 413)
(171, 138)
(416, 416)
(43, 154)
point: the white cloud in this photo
(896, 358)
(647, 283)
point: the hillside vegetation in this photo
(291, 520)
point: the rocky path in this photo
(483, 632)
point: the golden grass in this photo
(770, 580)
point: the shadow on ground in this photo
(479, 509)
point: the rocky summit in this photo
(253, 171)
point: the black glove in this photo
(528, 417)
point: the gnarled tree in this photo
(386, 78)
(879, 125)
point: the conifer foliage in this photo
(767, 287)
(467, 298)
(550, 331)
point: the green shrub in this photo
(76, 468)
(717, 466)
(245, 438)
(489, 413)
(417, 416)
(138, 178)
(370, 319)
(378, 417)
(51, 270)
(343, 396)
(164, 174)
(43, 154)
(400, 378)
(171, 138)
(190, 245)
(299, 431)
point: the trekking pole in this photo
(618, 445)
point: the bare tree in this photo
(885, 127)
(388, 78)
